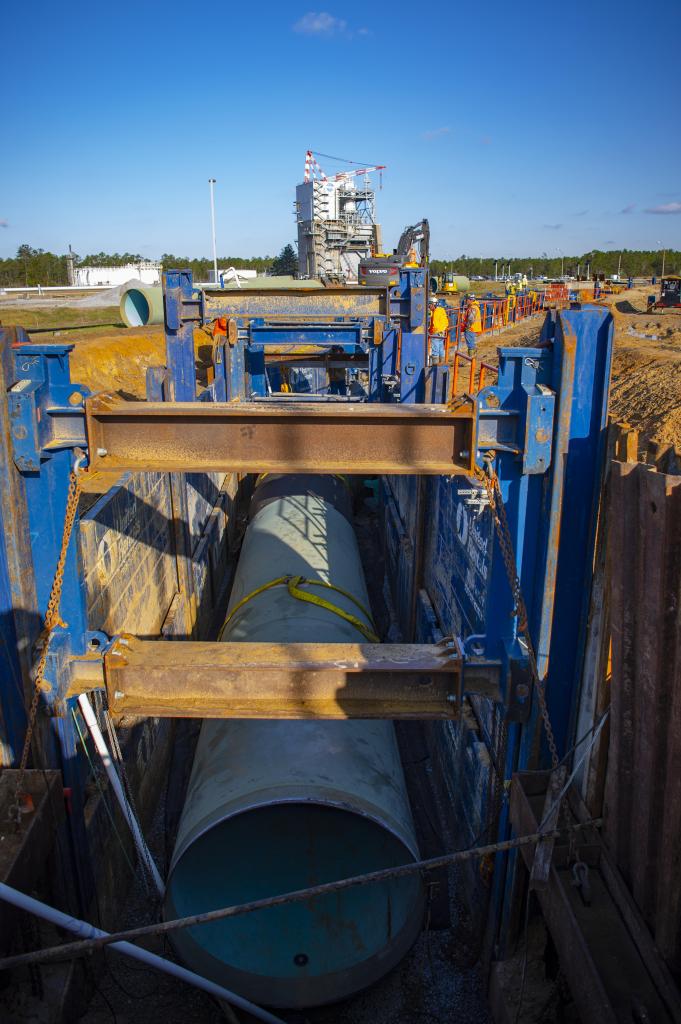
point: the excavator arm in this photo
(416, 234)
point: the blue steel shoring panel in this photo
(464, 572)
(593, 330)
(47, 427)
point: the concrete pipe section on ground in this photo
(140, 307)
(274, 806)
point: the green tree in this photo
(25, 253)
(286, 262)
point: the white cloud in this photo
(665, 208)
(629, 209)
(435, 133)
(320, 23)
(4, 223)
(553, 227)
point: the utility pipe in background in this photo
(88, 931)
(112, 774)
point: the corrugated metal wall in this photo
(643, 781)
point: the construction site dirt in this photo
(646, 372)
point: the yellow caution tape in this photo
(294, 584)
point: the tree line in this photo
(30, 267)
(629, 263)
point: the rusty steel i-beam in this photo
(190, 679)
(259, 437)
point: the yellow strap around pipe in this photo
(338, 476)
(294, 583)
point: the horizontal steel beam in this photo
(188, 679)
(258, 437)
(288, 303)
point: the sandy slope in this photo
(646, 374)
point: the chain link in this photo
(52, 620)
(491, 483)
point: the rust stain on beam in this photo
(291, 303)
(257, 437)
(293, 681)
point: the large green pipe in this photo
(274, 806)
(452, 283)
(142, 306)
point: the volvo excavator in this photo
(382, 270)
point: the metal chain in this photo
(52, 620)
(496, 501)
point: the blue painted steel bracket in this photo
(48, 436)
(349, 337)
(516, 414)
(183, 309)
(408, 302)
(46, 410)
(377, 336)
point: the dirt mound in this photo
(646, 392)
(646, 373)
(119, 362)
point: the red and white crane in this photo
(314, 172)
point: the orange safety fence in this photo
(557, 292)
(495, 314)
(481, 367)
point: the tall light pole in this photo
(562, 264)
(664, 253)
(211, 182)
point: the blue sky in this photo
(515, 129)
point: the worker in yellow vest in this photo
(472, 324)
(437, 329)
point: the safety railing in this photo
(495, 314)
(557, 292)
(474, 365)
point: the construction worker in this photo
(512, 302)
(472, 324)
(438, 326)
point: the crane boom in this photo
(314, 170)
